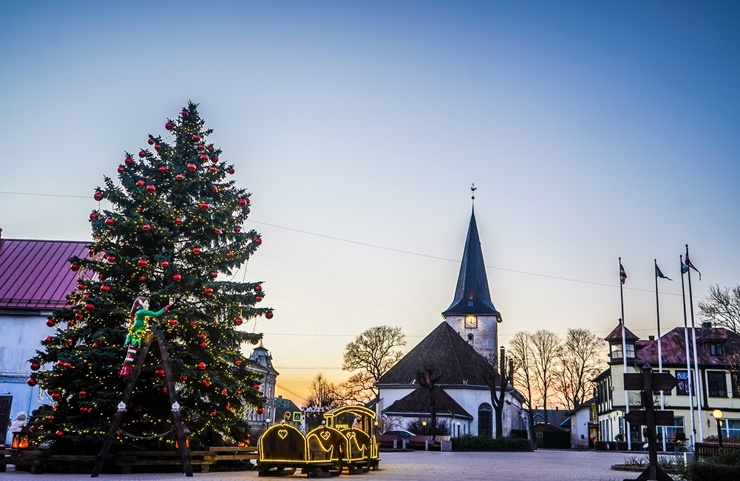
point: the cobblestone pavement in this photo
(541, 465)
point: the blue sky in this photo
(592, 130)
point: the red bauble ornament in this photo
(257, 240)
(151, 188)
(170, 125)
(224, 391)
(238, 362)
(191, 167)
(196, 138)
(56, 396)
(164, 264)
(254, 342)
(230, 254)
(32, 382)
(197, 250)
(203, 344)
(146, 227)
(163, 169)
(98, 196)
(260, 410)
(50, 322)
(105, 288)
(110, 221)
(163, 390)
(214, 188)
(94, 215)
(202, 366)
(142, 153)
(111, 259)
(46, 340)
(179, 177)
(150, 141)
(193, 324)
(184, 113)
(95, 345)
(60, 433)
(139, 182)
(258, 299)
(128, 160)
(70, 341)
(230, 170)
(244, 202)
(238, 321)
(157, 147)
(178, 220)
(142, 262)
(201, 147)
(121, 169)
(204, 205)
(208, 291)
(90, 306)
(78, 316)
(35, 366)
(210, 147)
(203, 157)
(268, 314)
(202, 335)
(183, 377)
(172, 322)
(214, 274)
(84, 410)
(159, 373)
(237, 229)
(81, 286)
(258, 288)
(217, 230)
(83, 393)
(213, 170)
(214, 414)
(176, 277)
(214, 158)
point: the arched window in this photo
(485, 420)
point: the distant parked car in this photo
(401, 433)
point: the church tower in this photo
(472, 313)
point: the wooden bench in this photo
(390, 441)
(8, 456)
(420, 442)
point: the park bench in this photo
(439, 443)
(390, 441)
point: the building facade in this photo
(714, 386)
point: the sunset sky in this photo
(593, 130)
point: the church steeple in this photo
(472, 295)
(472, 313)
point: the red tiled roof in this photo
(35, 274)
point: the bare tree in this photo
(520, 350)
(580, 361)
(322, 397)
(358, 389)
(373, 352)
(546, 350)
(428, 379)
(722, 307)
(497, 376)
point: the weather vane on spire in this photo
(473, 188)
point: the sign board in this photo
(662, 418)
(281, 403)
(297, 416)
(662, 381)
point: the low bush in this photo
(713, 472)
(485, 443)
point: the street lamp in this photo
(717, 414)
(424, 427)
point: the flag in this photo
(622, 274)
(689, 264)
(684, 268)
(660, 274)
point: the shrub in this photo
(713, 472)
(485, 443)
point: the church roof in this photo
(616, 334)
(447, 354)
(416, 403)
(472, 295)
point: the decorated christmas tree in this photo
(168, 239)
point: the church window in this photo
(485, 420)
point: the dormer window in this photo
(616, 351)
(470, 303)
(716, 349)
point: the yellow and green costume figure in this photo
(140, 314)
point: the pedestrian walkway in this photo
(541, 465)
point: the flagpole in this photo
(660, 350)
(699, 394)
(689, 377)
(622, 277)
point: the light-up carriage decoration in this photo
(326, 449)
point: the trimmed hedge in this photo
(485, 443)
(713, 472)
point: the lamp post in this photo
(717, 414)
(424, 427)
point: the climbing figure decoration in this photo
(137, 331)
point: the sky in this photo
(592, 131)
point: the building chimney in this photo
(651, 338)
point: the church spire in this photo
(472, 295)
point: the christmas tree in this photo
(171, 232)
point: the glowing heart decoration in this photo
(325, 435)
(283, 433)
